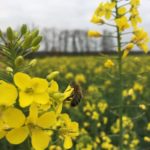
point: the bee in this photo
(76, 95)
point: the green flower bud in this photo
(9, 70)
(19, 61)
(23, 29)
(35, 33)
(33, 62)
(52, 75)
(58, 96)
(27, 42)
(16, 34)
(10, 34)
(35, 48)
(36, 41)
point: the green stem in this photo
(120, 81)
(29, 144)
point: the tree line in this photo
(74, 41)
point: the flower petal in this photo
(18, 135)
(22, 80)
(39, 85)
(47, 120)
(41, 98)
(13, 117)
(40, 139)
(67, 142)
(25, 99)
(8, 94)
(33, 114)
(2, 134)
(53, 87)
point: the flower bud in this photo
(19, 61)
(9, 70)
(35, 33)
(36, 41)
(10, 34)
(33, 62)
(23, 29)
(27, 42)
(35, 48)
(58, 96)
(52, 75)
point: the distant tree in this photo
(46, 40)
(107, 42)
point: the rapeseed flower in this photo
(31, 89)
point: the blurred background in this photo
(64, 25)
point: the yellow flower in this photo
(68, 131)
(95, 115)
(97, 20)
(109, 63)
(102, 106)
(34, 126)
(122, 10)
(80, 78)
(141, 39)
(69, 76)
(135, 18)
(142, 106)
(138, 87)
(127, 124)
(127, 49)
(31, 89)
(135, 2)
(58, 97)
(105, 9)
(108, 9)
(122, 23)
(8, 93)
(11, 119)
(147, 139)
(100, 10)
(92, 33)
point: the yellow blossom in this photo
(122, 23)
(97, 20)
(142, 106)
(122, 10)
(109, 63)
(80, 78)
(92, 33)
(147, 139)
(141, 38)
(31, 89)
(33, 126)
(127, 49)
(8, 93)
(68, 131)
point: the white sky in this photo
(56, 13)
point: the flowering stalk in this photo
(120, 78)
(124, 16)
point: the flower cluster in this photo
(125, 17)
(31, 107)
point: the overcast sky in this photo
(56, 13)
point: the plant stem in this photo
(120, 81)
